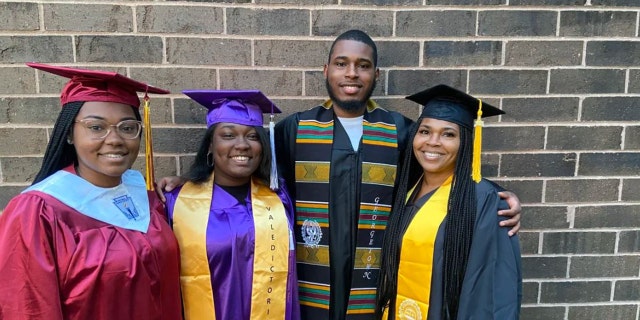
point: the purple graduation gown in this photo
(230, 247)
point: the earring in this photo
(210, 159)
(69, 141)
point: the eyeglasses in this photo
(100, 129)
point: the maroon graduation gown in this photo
(56, 263)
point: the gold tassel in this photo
(148, 143)
(476, 175)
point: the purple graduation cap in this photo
(234, 106)
(243, 107)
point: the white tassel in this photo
(274, 164)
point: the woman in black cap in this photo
(444, 255)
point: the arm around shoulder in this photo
(511, 211)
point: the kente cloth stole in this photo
(416, 256)
(379, 157)
(270, 261)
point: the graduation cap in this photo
(449, 104)
(94, 85)
(243, 107)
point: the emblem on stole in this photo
(126, 206)
(409, 310)
(311, 233)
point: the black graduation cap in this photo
(446, 103)
(449, 104)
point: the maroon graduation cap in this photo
(93, 85)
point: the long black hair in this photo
(59, 153)
(460, 221)
(201, 168)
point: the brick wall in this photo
(566, 71)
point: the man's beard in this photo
(349, 105)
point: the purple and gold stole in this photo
(270, 260)
(379, 156)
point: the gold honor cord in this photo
(190, 220)
(148, 144)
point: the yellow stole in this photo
(190, 219)
(416, 256)
(271, 255)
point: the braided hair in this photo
(460, 221)
(398, 221)
(202, 166)
(60, 153)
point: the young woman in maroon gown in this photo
(87, 240)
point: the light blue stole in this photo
(125, 206)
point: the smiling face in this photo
(350, 76)
(103, 161)
(436, 145)
(237, 153)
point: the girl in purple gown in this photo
(233, 223)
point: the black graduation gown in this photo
(344, 199)
(492, 287)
